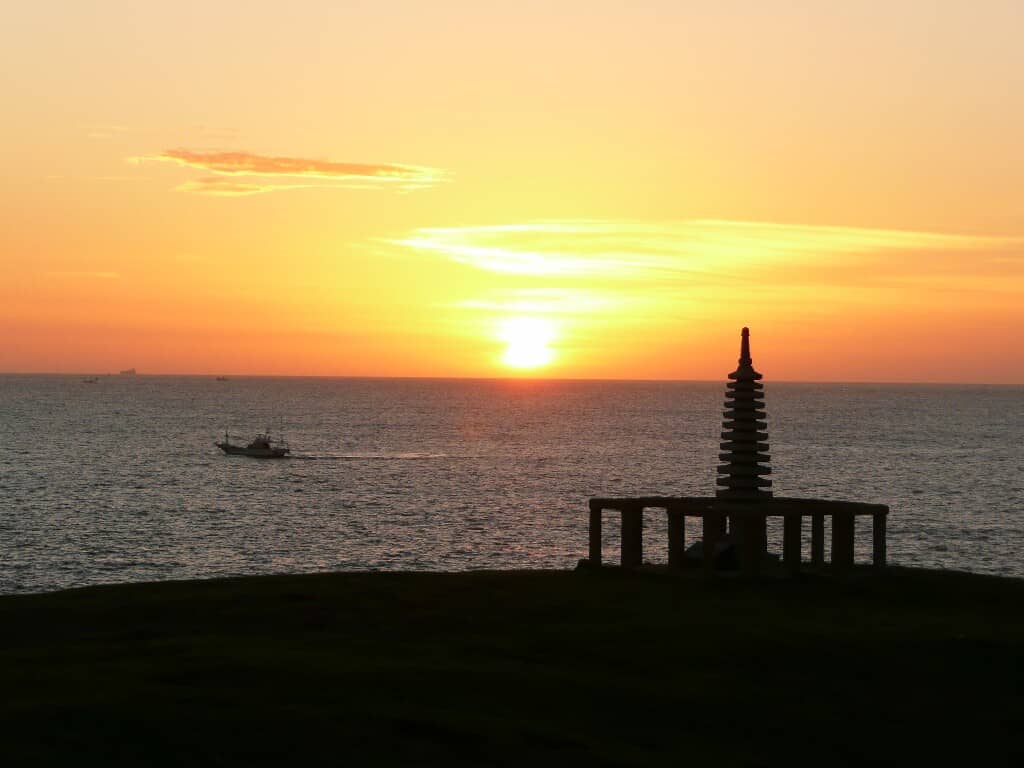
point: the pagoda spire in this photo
(745, 348)
(744, 433)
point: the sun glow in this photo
(528, 341)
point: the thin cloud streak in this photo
(212, 185)
(104, 132)
(270, 173)
(227, 187)
(548, 301)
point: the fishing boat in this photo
(263, 446)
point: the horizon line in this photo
(532, 379)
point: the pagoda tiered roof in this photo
(744, 433)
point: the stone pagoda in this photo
(745, 449)
(734, 520)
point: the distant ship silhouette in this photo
(129, 372)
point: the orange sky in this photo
(573, 189)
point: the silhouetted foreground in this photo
(552, 668)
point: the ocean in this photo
(120, 480)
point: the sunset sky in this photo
(558, 189)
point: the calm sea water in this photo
(120, 480)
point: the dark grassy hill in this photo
(597, 668)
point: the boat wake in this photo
(411, 456)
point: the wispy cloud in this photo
(248, 164)
(248, 173)
(640, 272)
(722, 250)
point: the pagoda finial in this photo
(745, 348)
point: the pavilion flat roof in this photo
(775, 505)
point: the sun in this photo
(527, 341)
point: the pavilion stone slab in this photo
(737, 514)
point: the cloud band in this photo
(251, 173)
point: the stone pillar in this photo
(750, 543)
(632, 537)
(714, 527)
(878, 537)
(791, 532)
(595, 535)
(676, 537)
(842, 542)
(817, 539)
(716, 522)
